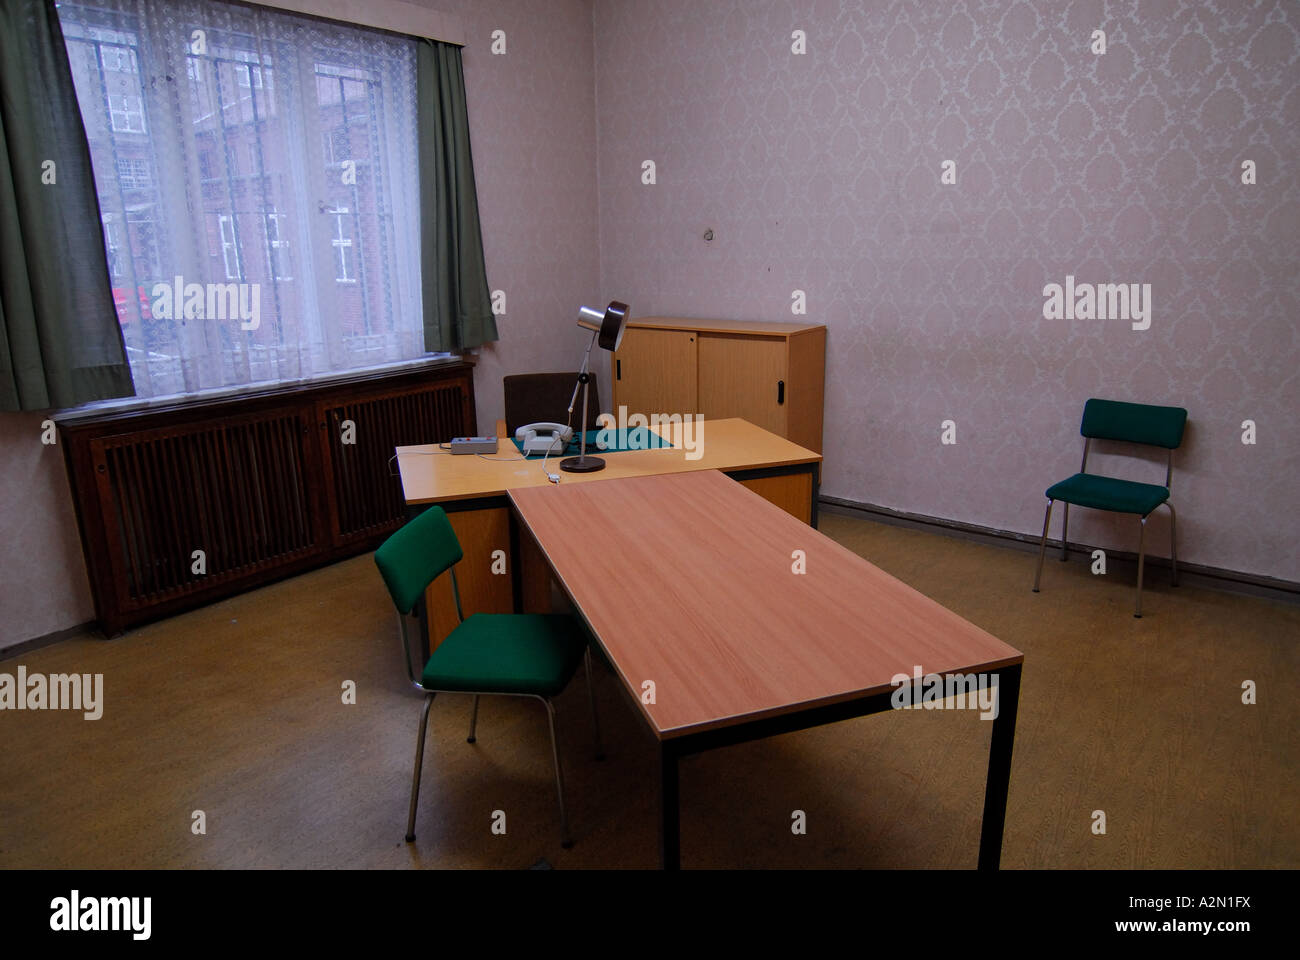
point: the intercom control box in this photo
(461, 445)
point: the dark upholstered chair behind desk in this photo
(544, 398)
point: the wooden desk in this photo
(502, 572)
(687, 582)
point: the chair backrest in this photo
(1133, 423)
(544, 398)
(416, 555)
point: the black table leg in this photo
(999, 779)
(669, 822)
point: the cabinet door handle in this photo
(618, 369)
(780, 392)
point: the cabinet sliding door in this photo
(655, 372)
(744, 376)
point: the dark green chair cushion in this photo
(508, 653)
(1109, 493)
(1133, 422)
(414, 556)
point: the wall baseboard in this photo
(23, 647)
(1192, 574)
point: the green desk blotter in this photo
(638, 438)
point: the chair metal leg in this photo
(1042, 548)
(595, 719)
(1173, 543)
(1065, 531)
(1141, 556)
(473, 721)
(419, 763)
(566, 841)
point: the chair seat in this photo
(1109, 493)
(507, 653)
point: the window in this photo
(133, 174)
(277, 250)
(126, 113)
(282, 136)
(251, 77)
(342, 244)
(229, 246)
(119, 59)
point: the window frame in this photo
(122, 47)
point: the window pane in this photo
(261, 202)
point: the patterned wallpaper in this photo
(823, 171)
(44, 588)
(532, 114)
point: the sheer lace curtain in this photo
(257, 174)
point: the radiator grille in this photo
(236, 491)
(367, 490)
(261, 483)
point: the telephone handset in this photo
(539, 438)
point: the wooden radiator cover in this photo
(264, 485)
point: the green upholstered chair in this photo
(1131, 423)
(519, 655)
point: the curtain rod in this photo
(395, 15)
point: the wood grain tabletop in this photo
(688, 580)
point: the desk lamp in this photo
(607, 329)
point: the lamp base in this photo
(582, 464)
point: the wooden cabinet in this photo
(655, 371)
(771, 374)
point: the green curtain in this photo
(60, 343)
(457, 306)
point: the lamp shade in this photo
(608, 325)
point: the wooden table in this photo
(686, 581)
(502, 572)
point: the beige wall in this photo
(43, 586)
(533, 130)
